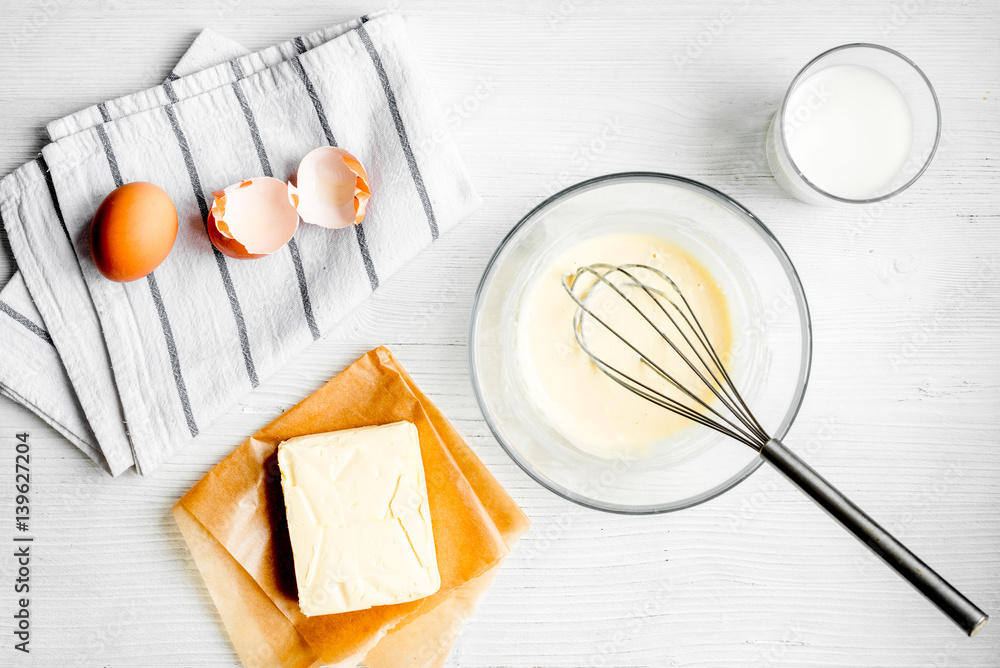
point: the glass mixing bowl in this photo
(769, 359)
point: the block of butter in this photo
(358, 518)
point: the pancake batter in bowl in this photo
(576, 398)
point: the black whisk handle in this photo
(948, 599)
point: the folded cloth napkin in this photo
(169, 352)
(32, 374)
(31, 371)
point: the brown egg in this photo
(133, 231)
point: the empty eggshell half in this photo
(252, 219)
(331, 188)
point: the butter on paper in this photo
(232, 525)
(360, 528)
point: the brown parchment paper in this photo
(262, 635)
(427, 639)
(233, 521)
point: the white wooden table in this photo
(903, 411)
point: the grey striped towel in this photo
(153, 361)
(31, 371)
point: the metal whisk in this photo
(704, 392)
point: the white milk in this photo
(849, 130)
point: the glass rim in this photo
(795, 81)
(802, 304)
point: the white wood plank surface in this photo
(903, 410)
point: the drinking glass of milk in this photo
(859, 124)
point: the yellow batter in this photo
(574, 396)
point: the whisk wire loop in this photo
(727, 387)
(706, 364)
(716, 380)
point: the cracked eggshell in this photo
(331, 188)
(252, 219)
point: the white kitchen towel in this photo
(32, 374)
(203, 329)
(31, 371)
